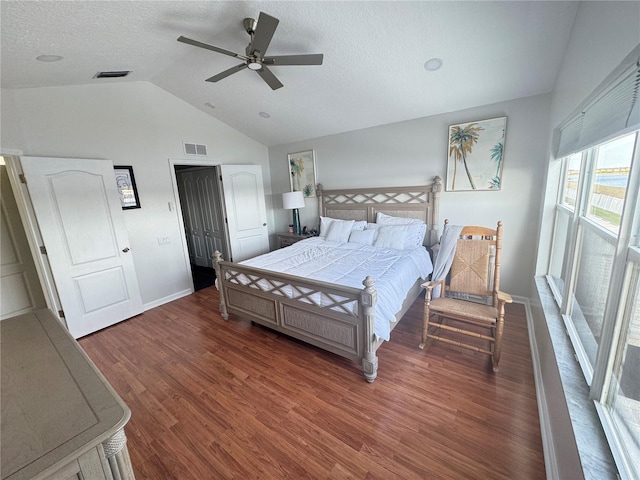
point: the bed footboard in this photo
(335, 318)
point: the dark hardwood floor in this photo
(213, 400)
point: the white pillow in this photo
(325, 223)
(384, 219)
(400, 237)
(414, 236)
(391, 236)
(372, 226)
(359, 226)
(339, 231)
(364, 237)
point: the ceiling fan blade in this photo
(312, 59)
(264, 33)
(226, 73)
(268, 76)
(196, 43)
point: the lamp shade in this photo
(291, 200)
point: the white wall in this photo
(413, 152)
(134, 124)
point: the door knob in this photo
(264, 224)
(125, 249)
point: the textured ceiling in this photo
(374, 55)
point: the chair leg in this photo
(497, 346)
(425, 321)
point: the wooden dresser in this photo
(60, 418)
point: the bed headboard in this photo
(421, 202)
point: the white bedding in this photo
(394, 271)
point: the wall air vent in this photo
(195, 149)
(112, 74)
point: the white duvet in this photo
(394, 271)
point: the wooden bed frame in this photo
(344, 324)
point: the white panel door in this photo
(78, 210)
(246, 212)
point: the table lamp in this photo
(294, 201)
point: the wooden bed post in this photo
(368, 299)
(217, 258)
(434, 227)
(320, 203)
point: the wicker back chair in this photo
(470, 301)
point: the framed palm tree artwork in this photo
(302, 172)
(475, 155)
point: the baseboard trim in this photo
(167, 299)
(550, 462)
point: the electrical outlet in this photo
(164, 241)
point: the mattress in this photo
(347, 264)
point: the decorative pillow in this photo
(391, 236)
(372, 226)
(364, 237)
(414, 236)
(384, 219)
(359, 226)
(325, 223)
(339, 231)
(400, 237)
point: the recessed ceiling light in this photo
(433, 64)
(48, 58)
(264, 115)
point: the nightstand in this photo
(286, 239)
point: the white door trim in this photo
(177, 206)
(28, 217)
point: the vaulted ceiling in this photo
(374, 56)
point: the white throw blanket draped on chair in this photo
(447, 251)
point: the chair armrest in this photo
(430, 285)
(504, 297)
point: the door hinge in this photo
(22, 178)
(220, 177)
(226, 220)
(43, 250)
(61, 313)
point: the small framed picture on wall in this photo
(126, 184)
(302, 172)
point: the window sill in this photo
(591, 443)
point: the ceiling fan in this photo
(261, 33)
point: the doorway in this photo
(232, 218)
(202, 211)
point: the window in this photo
(594, 271)
(571, 177)
(564, 215)
(623, 398)
(609, 185)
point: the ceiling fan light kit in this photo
(261, 33)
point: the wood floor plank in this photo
(216, 399)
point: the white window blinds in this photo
(613, 109)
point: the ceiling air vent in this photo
(195, 149)
(113, 74)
